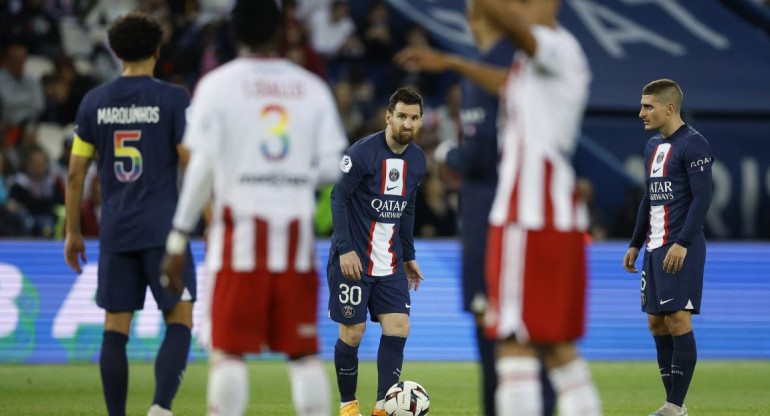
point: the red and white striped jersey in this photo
(543, 103)
(271, 133)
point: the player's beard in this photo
(404, 137)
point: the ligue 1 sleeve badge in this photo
(346, 163)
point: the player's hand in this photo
(413, 274)
(351, 266)
(629, 260)
(422, 59)
(171, 273)
(674, 258)
(74, 247)
(172, 266)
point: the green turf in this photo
(730, 388)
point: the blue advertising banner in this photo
(721, 61)
(48, 314)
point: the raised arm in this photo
(489, 77)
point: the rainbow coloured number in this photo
(122, 150)
(276, 147)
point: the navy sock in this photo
(346, 364)
(113, 366)
(665, 346)
(170, 364)
(488, 371)
(390, 357)
(682, 367)
(549, 394)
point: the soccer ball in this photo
(407, 398)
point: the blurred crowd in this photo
(54, 51)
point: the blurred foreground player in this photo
(535, 253)
(135, 125)
(475, 159)
(676, 199)
(263, 133)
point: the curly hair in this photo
(135, 37)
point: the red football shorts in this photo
(536, 282)
(250, 310)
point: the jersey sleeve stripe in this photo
(403, 180)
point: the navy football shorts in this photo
(670, 292)
(124, 276)
(350, 299)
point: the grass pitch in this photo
(726, 388)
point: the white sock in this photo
(310, 387)
(576, 392)
(228, 390)
(380, 404)
(518, 387)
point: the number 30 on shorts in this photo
(350, 294)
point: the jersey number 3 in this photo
(127, 156)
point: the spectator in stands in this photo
(378, 42)
(333, 35)
(21, 95)
(434, 215)
(39, 28)
(448, 116)
(296, 45)
(332, 29)
(10, 219)
(352, 118)
(596, 227)
(417, 37)
(36, 192)
(63, 91)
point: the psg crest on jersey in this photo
(348, 311)
(660, 157)
(393, 175)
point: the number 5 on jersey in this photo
(131, 156)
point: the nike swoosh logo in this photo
(655, 170)
(390, 188)
(663, 302)
(408, 306)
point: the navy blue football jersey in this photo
(669, 164)
(476, 160)
(135, 124)
(379, 188)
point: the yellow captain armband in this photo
(81, 147)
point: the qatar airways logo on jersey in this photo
(661, 191)
(389, 208)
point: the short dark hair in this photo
(135, 37)
(666, 89)
(404, 95)
(257, 22)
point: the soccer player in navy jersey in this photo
(372, 262)
(677, 196)
(135, 124)
(475, 159)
